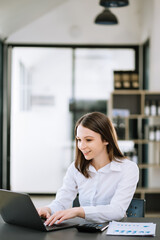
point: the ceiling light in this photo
(106, 18)
(114, 3)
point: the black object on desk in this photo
(92, 227)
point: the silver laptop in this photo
(18, 209)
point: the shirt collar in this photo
(112, 166)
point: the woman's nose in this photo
(82, 145)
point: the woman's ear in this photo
(106, 143)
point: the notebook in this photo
(18, 209)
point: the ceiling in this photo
(15, 14)
(47, 20)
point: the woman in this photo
(103, 177)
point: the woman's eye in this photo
(89, 140)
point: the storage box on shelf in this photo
(136, 116)
(126, 80)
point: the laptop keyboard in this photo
(57, 226)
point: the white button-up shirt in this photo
(104, 196)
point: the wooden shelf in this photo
(138, 116)
(145, 92)
(148, 190)
(153, 214)
(126, 92)
(133, 125)
(142, 166)
(140, 141)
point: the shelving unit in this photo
(127, 111)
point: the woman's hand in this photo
(60, 216)
(44, 212)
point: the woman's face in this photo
(90, 143)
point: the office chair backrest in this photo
(76, 202)
(136, 208)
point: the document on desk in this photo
(131, 228)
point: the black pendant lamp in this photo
(114, 3)
(106, 18)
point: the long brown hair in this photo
(99, 123)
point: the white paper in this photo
(131, 228)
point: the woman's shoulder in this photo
(127, 164)
(73, 171)
(127, 161)
(130, 166)
(72, 167)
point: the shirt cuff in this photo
(89, 213)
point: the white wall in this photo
(73, 22)
(146, 20)
(155, 48)
(154, 174)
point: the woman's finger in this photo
(51, 220)
(61, 220)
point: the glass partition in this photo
(94, 77)
(40, 118)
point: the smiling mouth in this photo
(86, 153)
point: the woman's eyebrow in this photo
(85, 137)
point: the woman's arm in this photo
(64, 197)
